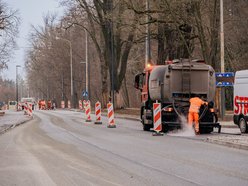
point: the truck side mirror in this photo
(138, 81)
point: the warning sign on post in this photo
(224, 79)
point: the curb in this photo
(228, 144)
(230, 126)
(13, 126)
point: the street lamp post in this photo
(17, 85)
(86, 65)
(148, 42)
(72, 92)
(222, 59)
(86, 62)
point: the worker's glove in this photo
(205, 104)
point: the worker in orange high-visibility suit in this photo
(195, 104)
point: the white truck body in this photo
(240, 100)
(28, 100)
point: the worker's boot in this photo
(197, 133)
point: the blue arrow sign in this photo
(224, 84)
(224, 79)
(84, 93)
(226, 74)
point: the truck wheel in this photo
(146, 127)
(243, 125)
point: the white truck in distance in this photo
(28, 100)
(240, 97)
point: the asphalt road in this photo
(59, 148)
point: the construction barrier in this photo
(84, 104)
(111, 121)
(98, 113)
(87, 111)
(25, 108)
(19, 106)
(80, 104)
(30, 110)
(69, 104)
(157, 122)
(62, 104)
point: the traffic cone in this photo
(98, 113)
(84, 104)
(87, 111)
(157, 122)
(80, 105)
(30, 111)
(25, 108)
(111, 121)
(62, 104)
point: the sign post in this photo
(223, 80)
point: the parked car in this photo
(2, 105)
(240, 97)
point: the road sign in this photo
(84, 93)
(224, 79)
(224, 84)
(226, 74)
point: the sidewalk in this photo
(234, 141)
(12, 119)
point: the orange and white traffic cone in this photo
(88, 111)
(98, 113)
(157, 122)
(25, 108)
(62, 104)
(19, 106)
(80, 104)
(84, 105)
(111, 120)
(30, 111)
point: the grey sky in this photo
(31, 13)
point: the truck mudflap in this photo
(201, 124)
(171, 124)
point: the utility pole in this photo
(86, 64)
(112, 58)
(17, 85)
(222, 59)
(148, 39)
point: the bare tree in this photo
(48, 60)
(9, 22)
(113, 34)
(7, 89)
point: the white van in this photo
(12, 105)
(240, 100)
